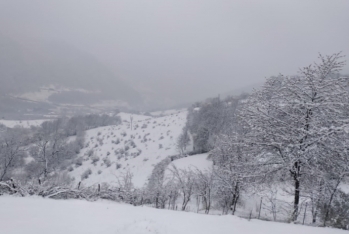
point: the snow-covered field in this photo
(22, 123)
(45, 216)
(122, 148)
(194, 162)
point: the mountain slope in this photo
(25, 67)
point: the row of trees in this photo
(169, 185)
(72, 126)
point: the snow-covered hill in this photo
(22, 123)
(45, 216)
(113, 150)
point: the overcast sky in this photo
(188, 49)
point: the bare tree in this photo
(12, 148)
(51, 147)
(204, 187)
(185, 180)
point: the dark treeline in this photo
(208, 119)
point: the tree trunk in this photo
(296, 198)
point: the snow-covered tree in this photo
(232, 169)
(12, 148)
(296, 123)
(210, 118)
(51, 147)
(205, 187)
(183, 141)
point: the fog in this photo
(178, 51)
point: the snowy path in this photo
(43, 216)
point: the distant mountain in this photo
(245, 89)
(79, 77)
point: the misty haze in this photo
(176, 116)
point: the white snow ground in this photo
(33, 215)
(194, 162)
(198, 161)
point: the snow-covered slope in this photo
(198, 161)
(113, 150)
(22, 123)
(44, 216)
(194, 162)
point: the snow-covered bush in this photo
(107, 162)
(337, 213)
(94, 159)
(90, 152)
(78, 162)
(86, 174)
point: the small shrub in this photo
(86, 174)
(90, 152)
(107, 162)
(78, 162)
(95, 159)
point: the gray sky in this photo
(188, 49)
